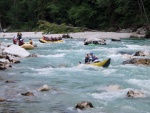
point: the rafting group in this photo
(46, 39)
(18, 39)
(90, 58)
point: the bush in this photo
(48, 27)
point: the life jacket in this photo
(87, 59)
(21, 42)
(93, 58)
(14, 41)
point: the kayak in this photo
(45, 41)
(27, 46)
(104, 63)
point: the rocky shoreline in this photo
(104, 35)
(10, 54)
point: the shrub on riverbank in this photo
(48, 27)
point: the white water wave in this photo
(141, 83)
(137, 47)
(55, 55)
(110, 96)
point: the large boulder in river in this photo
(135, 94)
(83, 105)
(142, 53)
(27, 94)
(97, 41)
(137, 61)
(16, 51)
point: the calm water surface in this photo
(57, 66)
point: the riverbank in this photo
(73, 35)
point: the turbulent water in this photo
(57, 66)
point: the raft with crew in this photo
(51, 39)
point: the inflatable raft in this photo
(27, 46)
(45, 41)
(104, 63)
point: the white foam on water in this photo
(54, 55)
(137, 47)
(108, 72)
(110, 96)
(141, 83)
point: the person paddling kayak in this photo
(93, 58)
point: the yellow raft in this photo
(104, 63)
(45, 41)
(27, 46)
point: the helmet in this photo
(91, 53)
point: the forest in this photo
(30, 15)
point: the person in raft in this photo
(21, 42)
(30, 42)
(15, 40)
(93, 58)
(87, 58)
(19, 36)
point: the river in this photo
(57, 66)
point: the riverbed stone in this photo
(112, 88)
(45, 87)
(135, 93)
(10, 81)
(27, 94)
(138, 61)
(142, 53)
(16, 61)
(115, 39)
(84, 105)
(2, 99)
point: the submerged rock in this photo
(45, 88)
(16, 61)
(10, 81)
(83, 105)
(96, 41)
(135, 94)
(112, 88)
(27, 94)
(142, 53)
(2, 99)
(137, 61)
(115, 39)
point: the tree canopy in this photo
(92, 14)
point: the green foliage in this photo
(47, 27)
(92, 14)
